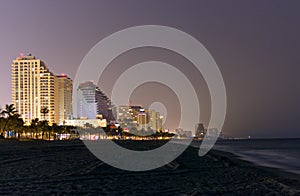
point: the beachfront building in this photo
(155, 121)
(63, 101)
(128, 116)
(200, 130)
(136, 117)
(104, 105)
(91, 101)
(86, 100)
(124, 117)
(183, 133)
(33, 88)
(142, 120)
(86, 123)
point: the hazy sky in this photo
(256, 45)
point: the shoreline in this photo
(275, 172)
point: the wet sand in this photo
(68, 168)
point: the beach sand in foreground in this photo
(67, 167)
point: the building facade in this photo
(63, 100)
(86, 100)
(136, 117)
(155, 121)
(33, 88)
(91, 101)
(104, 105)
(200, 130)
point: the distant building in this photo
(136, 117)
(92, 102)
(104, 105)
(187, 134)
(63, 99)
(142, 120)
(126, 116)
(182, 133)
(155, 121)
(135, 110)
(87, 107)
(200, 130)
(33, 88)
(213, 132)
(86, 123)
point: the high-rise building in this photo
(104, 105)
(199, 130)
(138, 117)
(124, 116)
(92, 101)
(33, 88)
(155, 121)
(63, 100)
(86, 101)
(127, 116)
(142, 120)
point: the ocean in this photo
(276, 153)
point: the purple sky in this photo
(256, 45)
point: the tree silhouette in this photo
(44, 111)
(34, 126)
(9, 111)
(17, 125)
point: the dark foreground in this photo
(68, 168)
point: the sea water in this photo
(276, 153)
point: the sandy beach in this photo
(68, 168)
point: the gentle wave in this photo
(276, 153)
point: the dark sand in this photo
(68, 168)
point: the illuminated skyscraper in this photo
(63, 101)
(33, 88)
(127, 115)
(199, 130)
(92, 101)
(155, 121)
(104, 105)
(86, 102)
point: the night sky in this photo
(256, 45)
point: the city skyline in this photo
(35, 88)
(256, 52)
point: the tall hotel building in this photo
(86, 103)
(33, 88)
(63, 98)
(92, 102)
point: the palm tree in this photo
(44, 111)
(9, 111)
(56, 129)
(17, 125)
(2, 122)
(34, 125)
